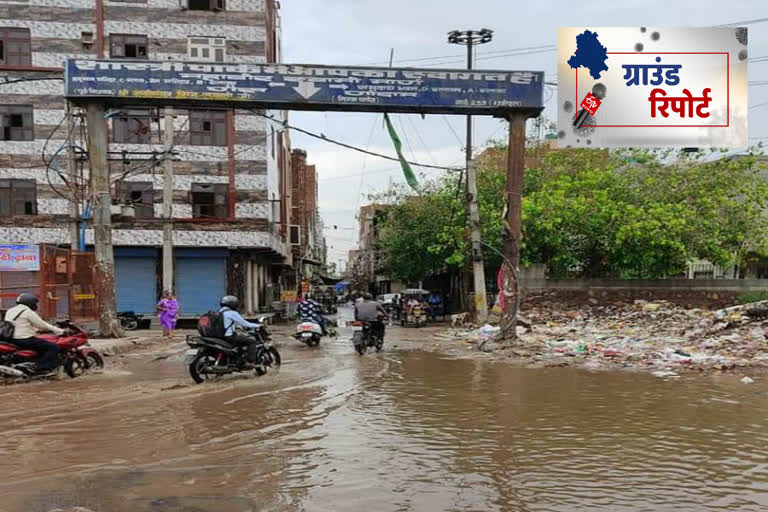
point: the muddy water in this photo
(396, 431)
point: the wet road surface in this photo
(396, 431)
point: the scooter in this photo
(309, 333)
(75, 356)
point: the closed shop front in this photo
(201, 279)
(136, 279)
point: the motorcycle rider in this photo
(372, 312)
(27, 323)
(310, 311)
(231, 317)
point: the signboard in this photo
(652, 87)
(289, 295)
(84, 296)
(306, 87)
(19, 258)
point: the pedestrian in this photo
(168, 311)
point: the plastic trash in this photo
(747, 380)
(665, 374)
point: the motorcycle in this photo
(129, 320)
(364, 337)
(211, 358)
(75, 356)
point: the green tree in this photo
(627, 214)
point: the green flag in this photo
(410, 177)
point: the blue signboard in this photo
(306, 87)
(19, 258)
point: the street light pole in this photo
(470, 38)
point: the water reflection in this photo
(390, 431)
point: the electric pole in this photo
(470, 38)
(102, 220)
(168, 203)
(74, 211)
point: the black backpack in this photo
(211, 325)
(7, 329)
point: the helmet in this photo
(229, 301)
(28, 300)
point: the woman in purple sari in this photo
(168, 309)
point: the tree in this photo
(625, 214)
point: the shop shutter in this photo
(136, 283)
(201, 281)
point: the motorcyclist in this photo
(310, 311)
(232, 318)
(27, 323)
(372, 312)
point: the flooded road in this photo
(396, 431)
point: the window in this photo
(18, 197)
(16, 122)
(208, 127)
(140, 194)
(128, 46)
(206, 5)
(209, 200)
(132, 127)
(294, 234)
(212, 49)
(15, 47)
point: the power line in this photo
(30, 79)
(422, 59)
(746, 22)
(354, 148)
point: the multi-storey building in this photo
(308, 243)
(231, 189)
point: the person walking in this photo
(168, 311)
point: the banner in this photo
(652, 87)
(19, 258)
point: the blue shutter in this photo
(200, 283)
(136, 284)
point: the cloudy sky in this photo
(362, 32)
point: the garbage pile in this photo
(656, 336)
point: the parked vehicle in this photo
(75, 356)
(309, 333)
(364, 337)
(129, 320)
(211, 358)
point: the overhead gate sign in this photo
(306, 87)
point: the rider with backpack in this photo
(231, 318)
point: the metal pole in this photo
(74, 210)
(478, 268)
(168, 203)
(102, 221)
(513, 220)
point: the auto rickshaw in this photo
(414, 307)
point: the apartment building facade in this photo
(231, 184)
(307, 241)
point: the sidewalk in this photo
(134, 340)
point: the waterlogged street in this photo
(395, 431)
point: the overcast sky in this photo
(355, 32)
